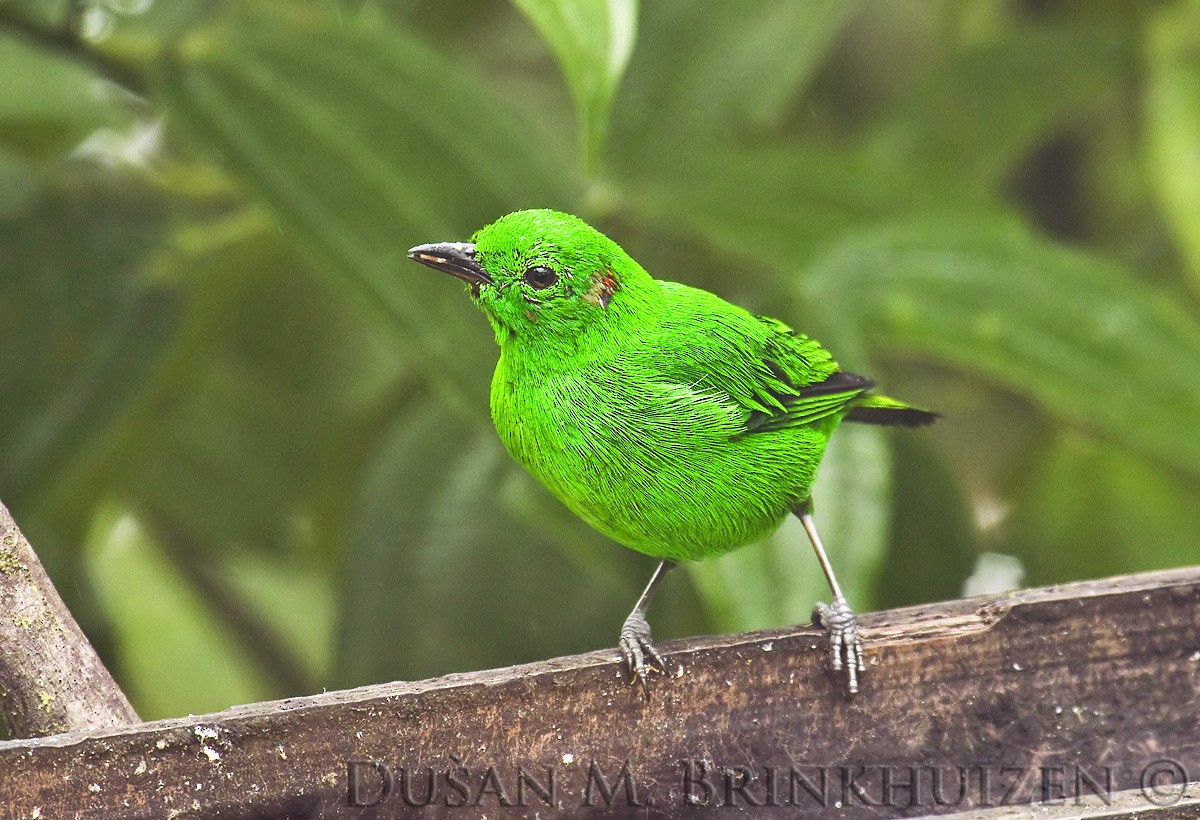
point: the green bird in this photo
(672, 421)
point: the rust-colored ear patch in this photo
(603, 287)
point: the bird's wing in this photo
(780, 378)
(812, 402)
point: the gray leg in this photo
(635, 634)
(845, 645)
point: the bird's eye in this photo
(540, 277)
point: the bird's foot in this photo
(640, 655)
(845, 645)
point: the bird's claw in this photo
(845, 645)
(640, 655)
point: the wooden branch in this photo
(1086, 688)
(51, 679)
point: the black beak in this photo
(455, 258)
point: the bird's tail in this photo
(874, 409)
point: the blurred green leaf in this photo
(1074, 332)
(294, 603)
(19, 184)
(174, 657)
(47, 104)
(365, 141)
(774, 206)
(83, 337)
(267, 394)
(1173, 123)
(1090, 510)
(977, 115)
(696, 78)
(44, 11)
(83, 411)
(933, 539)
(592, 40)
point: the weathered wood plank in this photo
(1175, 803)
(1076, 687)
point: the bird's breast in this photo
(656, 466)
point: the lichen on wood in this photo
(51, 679)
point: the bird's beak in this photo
(455, 258)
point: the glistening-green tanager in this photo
(672, 421)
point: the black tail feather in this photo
(902, 416)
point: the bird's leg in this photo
(838, 620)
(635, 633)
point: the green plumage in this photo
(669, 419)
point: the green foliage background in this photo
(250, 441)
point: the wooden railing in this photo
(1081, 697)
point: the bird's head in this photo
(540, 274)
